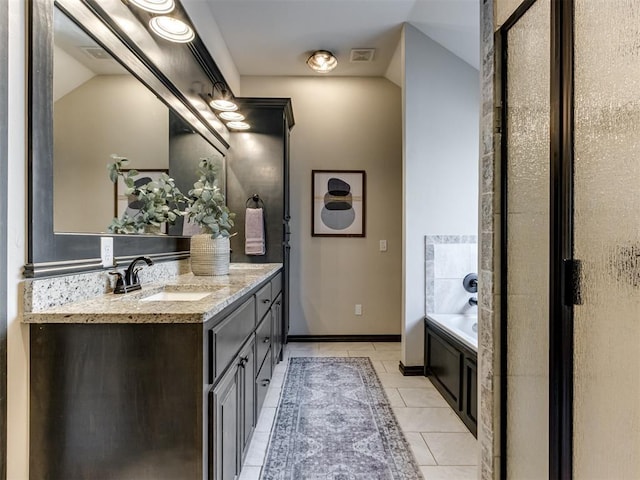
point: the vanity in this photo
(162, 383)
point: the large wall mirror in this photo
(94, 92)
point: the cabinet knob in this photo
(243, 361)
(266, 300)
(265, 382)
(266, 340)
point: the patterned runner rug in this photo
(334, 422)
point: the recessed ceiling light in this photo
(233, 116)
(238, 125)
(155, 6)
(322, 61)
(172, 29)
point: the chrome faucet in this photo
(470, 284)
(130, 281)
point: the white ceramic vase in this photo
(210, 256)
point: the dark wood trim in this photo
(517, 14)
(561, 243)
(256, 103)
(500, 45)
(344, 338)
(411, 371)
(4, 202)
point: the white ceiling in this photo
(275, 37)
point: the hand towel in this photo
(254, 232)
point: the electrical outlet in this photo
(106, 251)
(358, 310)
(383, 245)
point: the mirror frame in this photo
(55, 253)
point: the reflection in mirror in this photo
(101, 109)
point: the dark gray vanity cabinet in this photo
(148, 401)
(237, 397)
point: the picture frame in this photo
(122, 203)
(338, 203)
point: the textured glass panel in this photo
(528, 104)
(607, 239)
(504, 9)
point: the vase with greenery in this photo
(157, 201)
(210, 250)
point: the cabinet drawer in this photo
(276, 286)
(229, 336)
(263, 339)
(263, 301)
(262, 384)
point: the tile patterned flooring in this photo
(442, 445)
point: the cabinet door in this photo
(263, 379)
(276, 330)
(470, 394)
(445, 365)
(224, 426)
(246, 374)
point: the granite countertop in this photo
(128, 307)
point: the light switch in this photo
(383, 245)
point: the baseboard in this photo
(412, 371)
(344, 338)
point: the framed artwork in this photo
(127, 204)
(338, 203)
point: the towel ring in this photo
(255, 198)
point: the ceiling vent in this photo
(362, 55)
(96, 52)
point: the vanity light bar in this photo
(155, 6)
(233, 116)
(172, 29)
(238, 125)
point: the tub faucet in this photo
(130, 280)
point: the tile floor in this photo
(442, 445)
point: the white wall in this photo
(109, 114)
(344, 123)
(18, 334)
(202, 18)
(68, 73)
(441, 101)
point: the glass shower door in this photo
(606, 422)
(527, 229)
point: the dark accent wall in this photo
(4, 120)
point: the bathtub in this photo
(450, 362)
(463, 327)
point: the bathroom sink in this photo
(173, 296)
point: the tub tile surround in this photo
(87, 298)
(448, 259)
